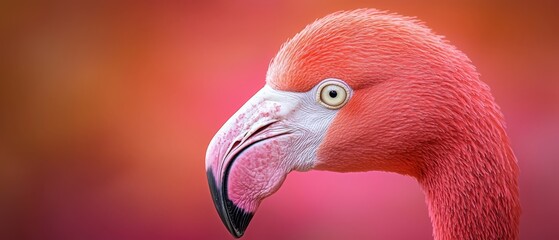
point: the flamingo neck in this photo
(472, 191)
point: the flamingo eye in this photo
(332, 94)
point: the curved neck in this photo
(472, 191)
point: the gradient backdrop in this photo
(107, 109)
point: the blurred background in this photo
(106, 110)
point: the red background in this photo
(107, 109)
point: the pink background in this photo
(106, 112)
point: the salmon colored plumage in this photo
(418, 108)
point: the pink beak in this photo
(244, 160)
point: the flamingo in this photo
(368, 90)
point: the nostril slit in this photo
(235, 144)
(246, 135)
(259, 130)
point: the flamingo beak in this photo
(245, 159)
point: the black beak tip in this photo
(233, 217)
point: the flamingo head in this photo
(354, 91)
